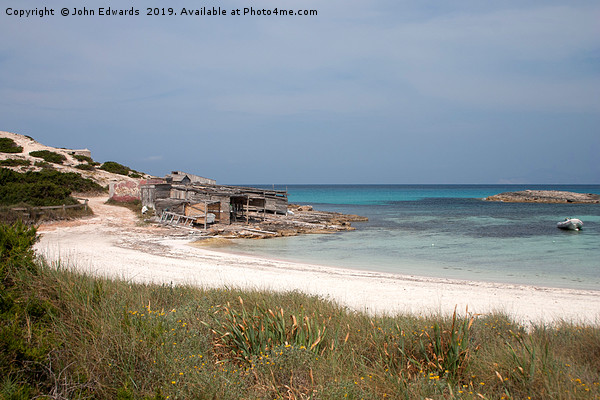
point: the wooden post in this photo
(247, 210)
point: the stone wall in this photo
(129, 190)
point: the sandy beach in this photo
(113, 243)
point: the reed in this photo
(244, 334)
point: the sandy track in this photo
(112, 244)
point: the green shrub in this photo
(70, 180)
(48, 156)
(83, 158)
(14, 162)
(7, 145)
(36, 194)
(43, 165)
(44, 188)
(25, 317)
(16, 250)
(85, 167)
(115, 168)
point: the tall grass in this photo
(68, 335)
(245, 334)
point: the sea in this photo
(447, 231)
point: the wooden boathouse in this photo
(202, 204)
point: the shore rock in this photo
(305, 220)
(545, 196)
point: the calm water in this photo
(448, 231)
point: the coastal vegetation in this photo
(116, 168)
(48, 156)
(41, 189)
(65, 334)
(15, 162)
(82, 158)
(7, 145)
(85, 167)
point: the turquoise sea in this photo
(448, 231)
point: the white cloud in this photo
(382, 69)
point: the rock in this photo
(546, 196)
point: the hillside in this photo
(20, 159)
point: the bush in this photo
(44, 188)
(14, 162)
(85, 167)
(83, 158)
(16, 251)
(43, 165)
(7, 145)
(70, 180)
(36, 194)
(48, 156)
(115, 168)
(25, 335)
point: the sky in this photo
(378, 91)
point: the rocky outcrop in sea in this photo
(545, 196)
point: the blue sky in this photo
(365, 92)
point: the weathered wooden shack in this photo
(227, 203)
(151, 192)
(185, 178)
(204, 213)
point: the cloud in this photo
(391, 89)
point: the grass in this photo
(69, 335)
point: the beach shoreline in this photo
(113, 244)
(423, 275)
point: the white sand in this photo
(110, 244)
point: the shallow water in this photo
(448, 232)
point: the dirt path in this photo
(105, 216)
